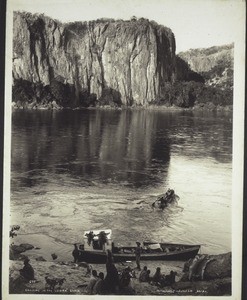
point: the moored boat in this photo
(150, 251)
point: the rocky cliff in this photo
(214, 64)
(126, 61)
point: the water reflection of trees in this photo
(103, 145)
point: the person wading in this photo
(138, 255)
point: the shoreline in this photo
(198, 107)
(77, 277)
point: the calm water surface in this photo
(79, 170)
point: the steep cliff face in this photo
(215, 64)
(129, 60)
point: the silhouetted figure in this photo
(99, 287)
(157, 276)
(148, 278)
(27, 271)
(112, 278)
(102, 239)
(138, 255)
(125, 282)
(169, 195)
(92, 281)
(90, 237)
(143, 274)
(170, 279)
(75, 253)
(125, 277)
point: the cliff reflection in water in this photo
(106, 146)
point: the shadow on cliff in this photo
(28, 95)
(110, 97)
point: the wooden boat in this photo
(150, 251)
(164, 200)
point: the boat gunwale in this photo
(151, 254)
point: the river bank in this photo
(76, 276)
(210, 106)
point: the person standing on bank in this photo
(75, 253)
(138, 255)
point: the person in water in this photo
(75, 253)
(138, 255)
(169, 195)
(27, 271)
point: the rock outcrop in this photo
(126, 61)
(214, 64)
(207, 275)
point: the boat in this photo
(164, 200)
(150, 251)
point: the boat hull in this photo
(100, 256)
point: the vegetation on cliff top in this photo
(191, 88)
(214, 64)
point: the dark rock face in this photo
(220, 267)
(16, 250)
(211, 275)
(40, 258)
(213, 267)
(26, 246)
(127, 61)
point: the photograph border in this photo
(237, 163)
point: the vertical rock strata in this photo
(130, 59)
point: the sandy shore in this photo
(77, 276)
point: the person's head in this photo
(138, 244)
(158, 270)
(145, 268)
(26, 261)
(101, 275)
(75, 245)
(94, 273)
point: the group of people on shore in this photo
(113, 283)
(120, 282)
(158, 278)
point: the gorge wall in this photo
(215, 64)
(127, 61)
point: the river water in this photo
(101, 169)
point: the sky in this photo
(195, 23)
